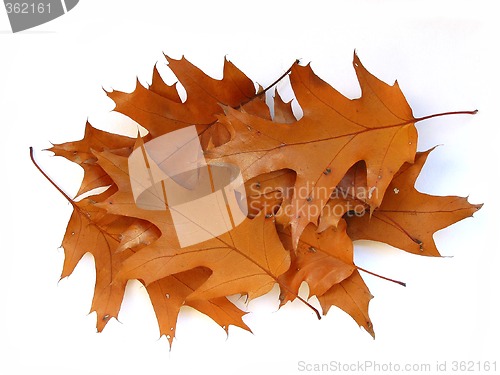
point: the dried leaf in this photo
(407, 218)
(92, 230)
(344, 171)
(80, 152)
(169, 294)
(161, 112)
(322, 260)
(377, 128)
(352, 296)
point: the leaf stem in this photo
(318, 315)
(382, 277)
(260, 93)
(32, 157)
(279, 79)
(446, 114)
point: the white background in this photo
(445, 56)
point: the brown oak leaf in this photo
(344, 171)
(377, 128)
(352, 296)
(321, 259)
(407, 218)
(80, 152)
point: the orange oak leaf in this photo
(407, 218)
(378, 128)
(321, 259)
(111, 239)
(352, 296)
(80, 152)
(92, 230)
(344, 171)
(260, 256)
(169, 294)
(160, 110)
